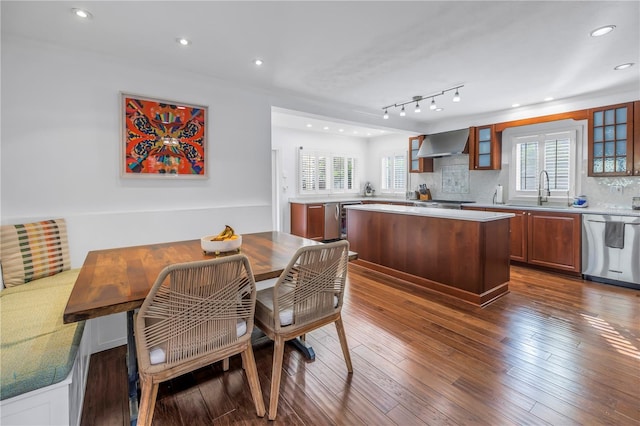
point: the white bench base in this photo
(58, 404)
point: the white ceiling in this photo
(363, 55)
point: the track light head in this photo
(433, 104)
(386, 115)
(417, 107)
(402, 113)
(456, 96)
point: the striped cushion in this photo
(30, 251)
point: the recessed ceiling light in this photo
(548, 98)
(602, 30)
(258, 61)
(355, 132)
(623, 66)
(309, 125)
(325, 128)
(439, 109)
(183, 41)
(81, 13)
(515, 105)
(341, 130)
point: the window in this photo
(553, 152)
(343, 173)
(326, 173)
(394, 173)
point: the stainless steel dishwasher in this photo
(331, 221)
(611, 249)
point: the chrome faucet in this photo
(544, 199)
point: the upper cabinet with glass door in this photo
(484, 148)
(418, 165)
(612, 143)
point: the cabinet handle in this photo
(315, 207)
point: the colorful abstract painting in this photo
(163, 138)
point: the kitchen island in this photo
(461, 253)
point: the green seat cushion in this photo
(37, 349)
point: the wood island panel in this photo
(462, 258)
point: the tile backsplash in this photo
(612, 192)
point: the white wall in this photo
(379, 146)
(60, 151)
(288, 142)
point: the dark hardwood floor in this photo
(555, 350)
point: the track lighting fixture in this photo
(417, 99)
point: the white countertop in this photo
(470, 215)
(620, 211)
(562, 209)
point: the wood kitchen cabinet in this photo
(307, 220)
(544, 238)
(418, 165)
(518, 233)
(614, 140)
(554, 240)
(485, 148)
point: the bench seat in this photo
(37, 349)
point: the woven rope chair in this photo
(196, 314)
(307, 295)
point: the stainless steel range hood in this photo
(444, 144)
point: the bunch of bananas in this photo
(227, 234)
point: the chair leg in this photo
(148, 396)
(225, 364)
(343, 342)
(276, 373)
(251, 371)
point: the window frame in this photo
(385, 156)
(328, 172)
(575, 130)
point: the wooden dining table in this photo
(118, 280)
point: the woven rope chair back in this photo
(312, 285)
(194, 308)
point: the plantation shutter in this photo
(399, 172)
(322, 173)
(528, 166)
(394, 171)
(351, 170)
(307, 172)
(557, 163)
(338, 173)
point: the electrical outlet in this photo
(615, 189)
